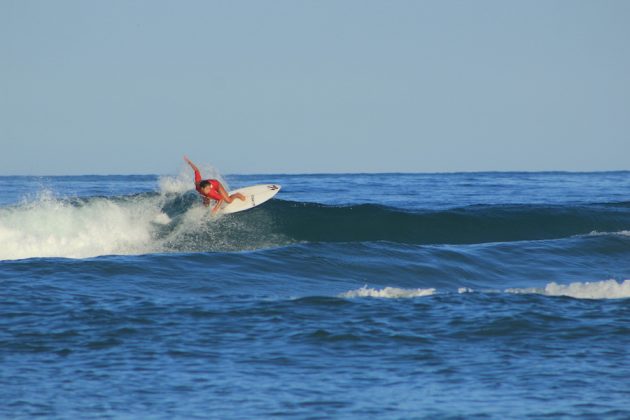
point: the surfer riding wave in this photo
(212, 189)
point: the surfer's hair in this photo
(204, 183)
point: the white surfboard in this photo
(254, 195)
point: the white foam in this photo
(387, 292)
(607, 289)
(620, 233)
(162, 219)
(48, 226)
(52, 227)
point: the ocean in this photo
(398, 296)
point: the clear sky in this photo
(126, 87)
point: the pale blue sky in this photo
(124, 87)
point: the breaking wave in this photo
(173, 220)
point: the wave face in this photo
(466, 225)
(176, 222)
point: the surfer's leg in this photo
(228, 198)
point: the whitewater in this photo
(502, 295)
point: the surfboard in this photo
(255, 195)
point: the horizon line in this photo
(337, 173)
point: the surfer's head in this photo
(205, 186)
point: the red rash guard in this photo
(214, 187)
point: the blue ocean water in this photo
(465, 295)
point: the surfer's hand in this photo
(188, 161)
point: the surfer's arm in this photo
(194, 167)
(217, 206)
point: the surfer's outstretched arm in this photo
(194, 167)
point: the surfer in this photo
(212, 189)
